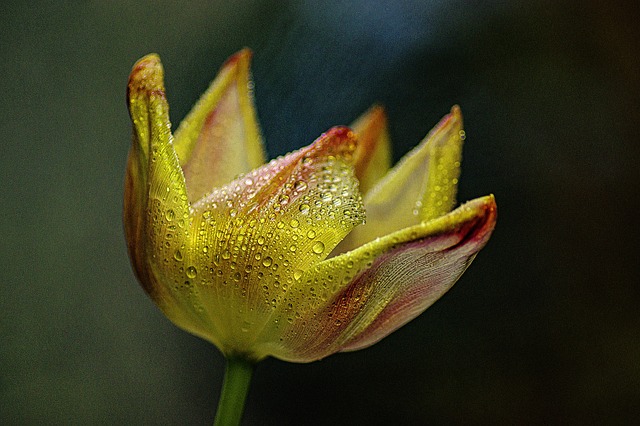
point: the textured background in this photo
(543, 328)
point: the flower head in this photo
(275, 259)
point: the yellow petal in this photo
(353, 300)
(254, 237)
(420, 187)
(156, 211)
(148, 110)
(372, 158)
(220, 138)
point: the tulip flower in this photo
(320, 251)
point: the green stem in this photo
(234, 392)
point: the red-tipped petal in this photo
(220, 138)
(353, 300)
(372, 159)
(259, 233)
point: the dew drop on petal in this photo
(177, 255)
(318, 247)
(192, 272)
(267, 261)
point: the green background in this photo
(543, 328)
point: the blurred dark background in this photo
(544, 328)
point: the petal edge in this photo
(355, 288)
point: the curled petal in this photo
(220, 138)
(420, 187)
(372, 158)
(353, 300)
(156, 211)
(254, 237)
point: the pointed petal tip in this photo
(241, 58)
(485, 213)
(377, 113)
(371, 124)
(147, 75)
(148, 59)
(339, 141)
(339, 132)
(454, 118)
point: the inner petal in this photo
(260, 233)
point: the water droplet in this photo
(267, 261)
(304, 208)
(226, 254)
(297, 274)
(205, 249)
(294, 223)
(192, 272)
(311, 234)
(318, 247)
(260, 240)
(170, 215)
(178, 256)
(300, 185)
(293, 248)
